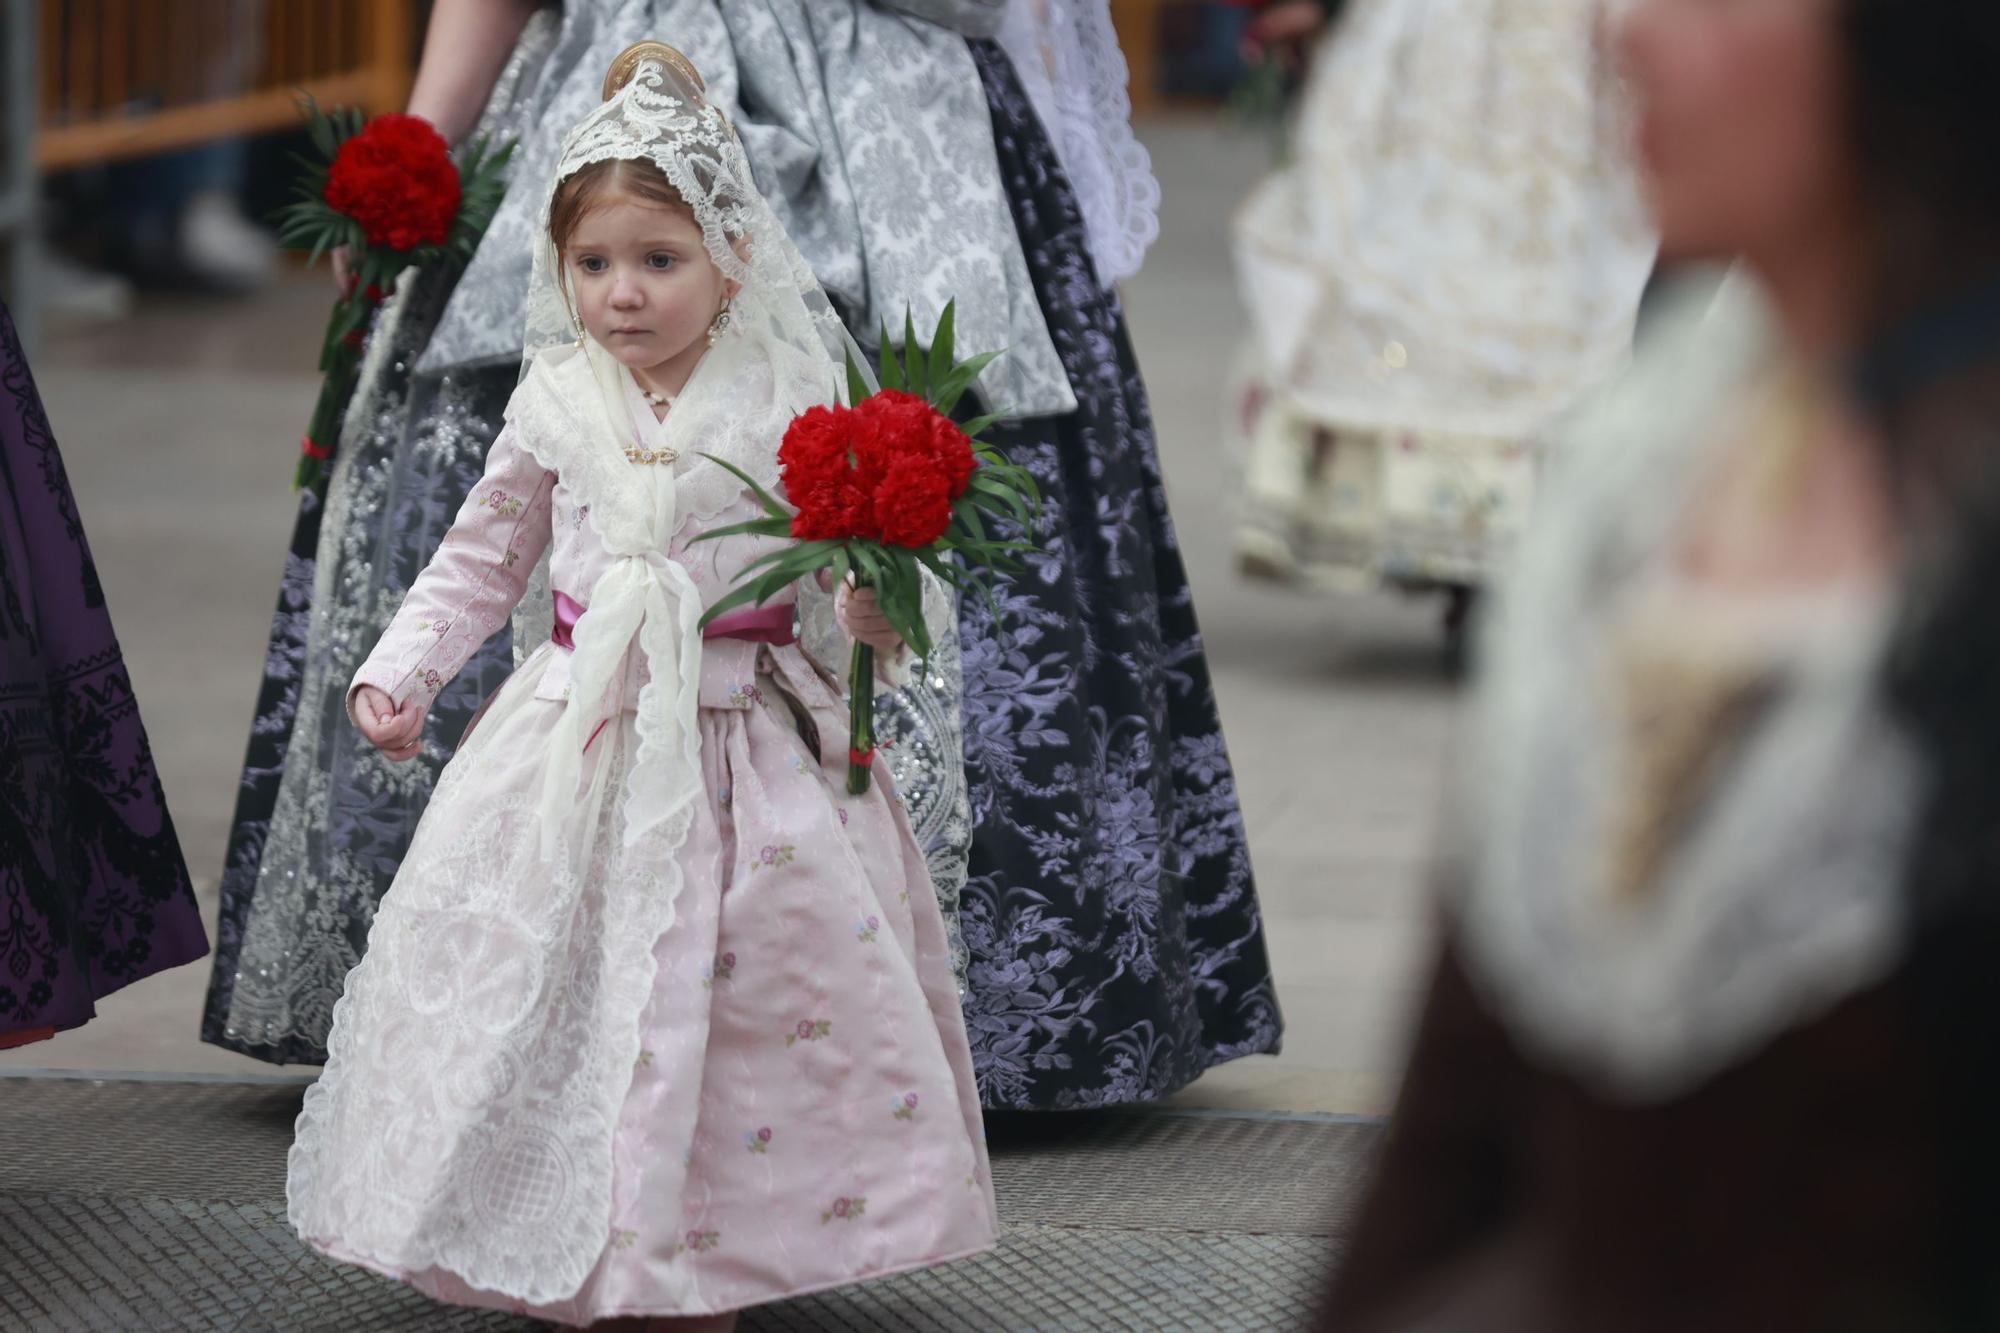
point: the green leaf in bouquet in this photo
(793, 561)
(943, 347)
(756, 527)
(905, 599)
(892, 369)
(318, 127)
(979, 425)
(772, 583)
(963, 376)
(966, 514)
(741, 595)
(857, 383)
(916, 372)
(988, 491)
(950, 571)
(764, 497)
(867, 563)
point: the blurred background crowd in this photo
(154, 137)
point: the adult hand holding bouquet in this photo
(387, 192)
(885, 488)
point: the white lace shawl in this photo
(1780, 894)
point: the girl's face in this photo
(643, 283)
(1740, 132)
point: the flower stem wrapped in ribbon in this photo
(883, 489)
(389, 191)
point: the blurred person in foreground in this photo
(1713, 1039)
(1451, 260)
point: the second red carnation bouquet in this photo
(389, 191)
(882, 489)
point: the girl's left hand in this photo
(859, 613)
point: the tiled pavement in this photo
(142, 1205)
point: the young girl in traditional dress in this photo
(656, 1020)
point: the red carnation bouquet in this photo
(389, 191)
(884, 488)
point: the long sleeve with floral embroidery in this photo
(471, 585)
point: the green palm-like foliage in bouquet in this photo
(882, 489)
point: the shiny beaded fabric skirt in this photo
(321, 820)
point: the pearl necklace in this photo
(656, 399)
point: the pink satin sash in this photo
(758, 624)
(568, 612)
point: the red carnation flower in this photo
(815, 448)
(911, 425)
(913, 506)
(834, 510)
(396, 178)
(887, 470)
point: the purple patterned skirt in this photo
(94, 894)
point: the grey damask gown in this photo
(911, 169)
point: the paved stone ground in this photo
(159, 1205)
(179, 429)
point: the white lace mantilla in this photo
(1779, 893)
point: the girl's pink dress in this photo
(552, 1093)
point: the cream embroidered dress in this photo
(1452, 260)
(655, 1019)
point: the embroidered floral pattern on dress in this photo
(758, 1140)
(905, 1106)
(1110, 912)
(844, 1209)
(623, 1240)
(809, 1029)
(698, 1242)
(743, 696)
(865, 929)
(773, 857)
(503, 504)
(722, 969)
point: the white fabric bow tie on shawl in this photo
(644, 599)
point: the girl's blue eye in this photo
(660, 259)
(591, 264)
